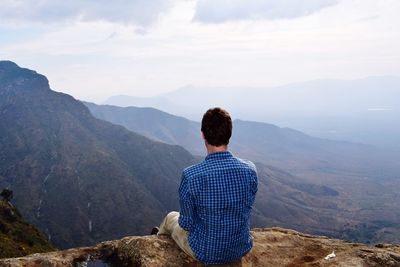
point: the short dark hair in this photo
(216, 126)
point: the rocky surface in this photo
(272, 247)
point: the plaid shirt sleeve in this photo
(187, 205)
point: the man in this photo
(216, 197)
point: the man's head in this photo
(216, 127)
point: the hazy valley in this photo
(364, 178)
(363, 110)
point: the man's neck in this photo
(213, 149)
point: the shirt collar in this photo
(219, 155)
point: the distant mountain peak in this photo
(7, 64)
(15, 78)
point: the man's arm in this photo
(253, 185)
(186, 204)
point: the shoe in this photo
(154, 231)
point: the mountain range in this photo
(363, 110)
(81, 179)
(365, 178)
(286, 148)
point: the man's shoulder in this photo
(204, 166)
(247, 164)
(193, 169)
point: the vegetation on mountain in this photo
(17, 237)
(6, 194)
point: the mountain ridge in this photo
(354, 110)
(68, 168)
(258, 141)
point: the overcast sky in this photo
(95, 49)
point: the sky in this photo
(94, 49)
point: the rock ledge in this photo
(272, 247)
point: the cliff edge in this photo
(272, 247)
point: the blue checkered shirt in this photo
(216, 197)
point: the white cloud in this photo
(95, 59)
(216, 11)
(140, 12)
(380, 109)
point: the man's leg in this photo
(170, 226)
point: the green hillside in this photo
(17, 237)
